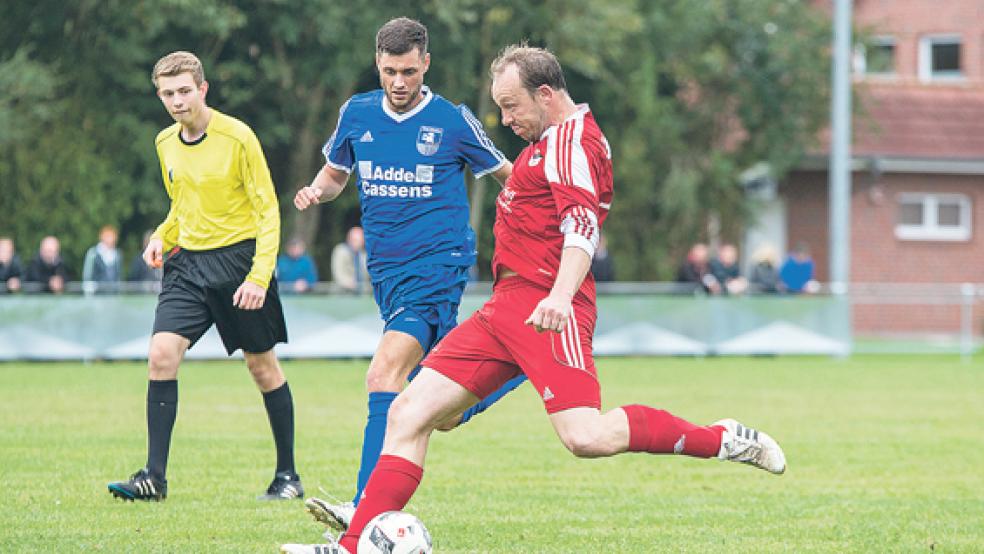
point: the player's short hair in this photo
(537, 66)
(401, 35)
(177, 63)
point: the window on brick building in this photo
(933, 217)
(875, 58)
(939, 58)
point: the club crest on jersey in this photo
(535, 159)
(429, 139)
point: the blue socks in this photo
(372, 441)
(484, 403)
(375, 433)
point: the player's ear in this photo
(427, 62)
(204, 88)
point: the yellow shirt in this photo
(221, 193)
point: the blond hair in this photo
(177, 63)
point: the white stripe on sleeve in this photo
(326, 150)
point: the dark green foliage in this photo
(690, 95)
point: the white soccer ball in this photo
(395, 533)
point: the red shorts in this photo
(494, 345)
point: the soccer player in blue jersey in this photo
(409, 148)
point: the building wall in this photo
(877, 256)
(909, 20)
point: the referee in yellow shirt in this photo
(221, 235)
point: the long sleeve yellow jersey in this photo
(221, 192)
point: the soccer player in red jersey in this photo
(541, 317)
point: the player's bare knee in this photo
(258, 366)
(449, 424)
(162, 362)
(383, 378)
(265, 370)
(584, 443)
(407, 416)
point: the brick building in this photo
(917, 206)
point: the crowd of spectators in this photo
(721, 274)
(102, 268)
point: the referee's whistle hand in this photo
(249, 296)
(307, 196)
(153, 255)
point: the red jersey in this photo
(558, 195)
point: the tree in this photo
(711, 89)
(691, 94)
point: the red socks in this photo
(660, 432)
(390, 487)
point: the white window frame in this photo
(861, 57)
(930, 230)
(926, 44)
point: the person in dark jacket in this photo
(48, 270)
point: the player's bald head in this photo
(536, 66)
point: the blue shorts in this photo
(423, 304)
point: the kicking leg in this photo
(397, 354)
(483, 404)
(428, 400)
(587, 433)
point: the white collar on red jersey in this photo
(581, 110)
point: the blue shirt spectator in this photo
(796, 272)
(295, 269)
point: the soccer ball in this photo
(395, 533)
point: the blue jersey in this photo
(410, 170)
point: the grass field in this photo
(884, 456)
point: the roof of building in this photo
(917, 121)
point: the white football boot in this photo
(337, 516)
(326, 548)
(748, 446)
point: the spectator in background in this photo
(724, 267)
(140, 272)
(765, 272)
(10, 266)
(602, 266)
(47, 269)
(796, 274)
(103, 266)
(295, 269)
(696, 270)
(348, 263)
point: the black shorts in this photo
(197, 291)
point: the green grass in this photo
(884, 456)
